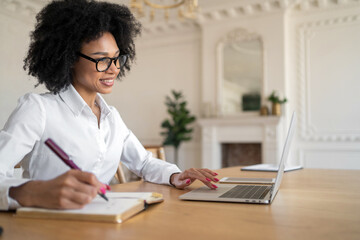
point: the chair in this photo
(157, 152)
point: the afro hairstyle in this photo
(64, 25)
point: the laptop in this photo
(246, 193)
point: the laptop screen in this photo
(284, 155)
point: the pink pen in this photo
(65, 158)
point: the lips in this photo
(107, 81)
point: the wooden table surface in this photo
(311, 204)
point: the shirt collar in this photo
(77, 104)
(104, 108)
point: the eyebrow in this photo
(103, 53)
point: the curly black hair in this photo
(61, 29)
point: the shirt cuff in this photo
(170, 179)
(168, 171)
(6, 202)
(13, 204)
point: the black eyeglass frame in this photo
(112, 60)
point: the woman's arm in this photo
(71, 190)
(18, 137)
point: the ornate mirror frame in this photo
(235, 36)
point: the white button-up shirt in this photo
(69, 121)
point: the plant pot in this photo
(276, 109)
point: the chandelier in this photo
(186, 9)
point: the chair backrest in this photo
(157, 152)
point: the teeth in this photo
(107, 81)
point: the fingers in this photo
(68, 204)
(85, 177)
(90, 179)
(209, 174)
(76, 189)
(181, 184)
(71, 199)
(204, 175)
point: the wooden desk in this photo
(311, 204)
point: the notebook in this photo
(246, 193)
(121, 206)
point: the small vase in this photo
(276, 109)
(264, 111)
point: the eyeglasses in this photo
(103, 64)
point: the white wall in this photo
(160, 68)
(14, 82)
(323, 76)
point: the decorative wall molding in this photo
(214, 10)
(211, 10)
(305, 32)
(238, 9)
(328, 157)
(26, 10)
(309, 5)
(172, 26)
(240, 34)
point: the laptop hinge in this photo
(271, 191)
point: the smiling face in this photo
(86, 79)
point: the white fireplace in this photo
(253, 129)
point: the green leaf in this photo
(177, 127)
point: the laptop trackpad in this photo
(205, 192)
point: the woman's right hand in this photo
(71, 190)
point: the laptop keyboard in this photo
(247, 191)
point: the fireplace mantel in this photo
(251, 129)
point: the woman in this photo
(77, 50)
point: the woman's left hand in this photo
(187, 177)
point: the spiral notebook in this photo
(121, 206)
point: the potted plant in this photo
(176, 128)
(276, 103)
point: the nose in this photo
(113, 68)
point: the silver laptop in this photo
(246, 193)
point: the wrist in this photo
(24, 193)
(172, 178)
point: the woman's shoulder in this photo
(29, 110)
(36, 101)
(35, 97)
(30, 99)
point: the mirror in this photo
(240, 78)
